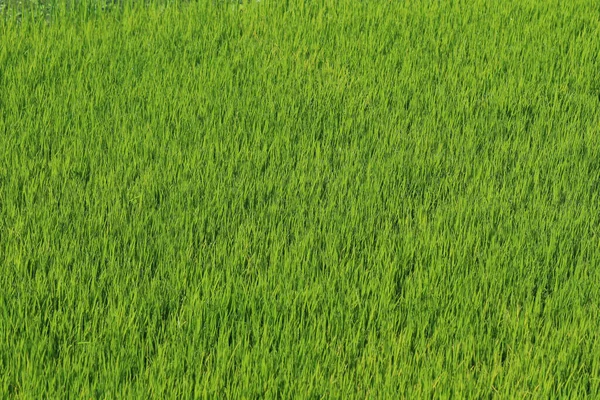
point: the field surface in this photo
(294, 199)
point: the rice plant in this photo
(329, 199)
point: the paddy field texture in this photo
(290, 199)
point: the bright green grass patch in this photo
(293, 199)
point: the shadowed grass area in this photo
(288, 199)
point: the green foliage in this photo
(290, 199)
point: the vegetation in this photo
(330, 199)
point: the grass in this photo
(332, 199)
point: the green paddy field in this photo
(300, 199)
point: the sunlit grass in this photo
(330, 199)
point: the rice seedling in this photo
(212, 199)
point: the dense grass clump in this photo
(297, 199)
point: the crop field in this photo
(294, 199)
